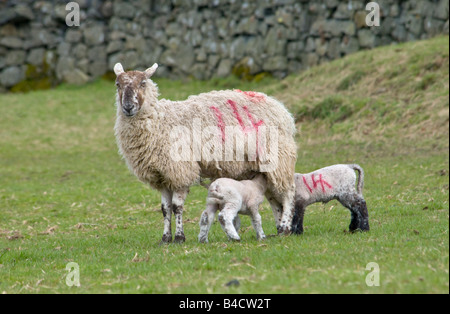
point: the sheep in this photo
(333, 182)
(233, 197)
(151, 132)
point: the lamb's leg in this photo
(226, 218)
(166, 208)
(297, 221)
(256, 223)
(358, 209)
(237, 223)
(276, 209)
(206, 221)
(178, 199)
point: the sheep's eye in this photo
(143, 83)
(117, 85)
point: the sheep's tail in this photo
(360, 171)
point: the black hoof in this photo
(166, 238)
(179, 238)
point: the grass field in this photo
(66, 195)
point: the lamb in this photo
(233, 197)
(333, 182)
(171, 145)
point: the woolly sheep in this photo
(146, 138)
(231, 198)
(329, 183)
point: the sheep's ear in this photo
(118, 69)
(149, 72)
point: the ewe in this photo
(171, 145)
(332, 183)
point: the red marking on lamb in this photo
(306, 183)
(321, 181)
(253, 96)
(220, 122)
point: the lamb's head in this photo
(133, 87)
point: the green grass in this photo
(66, 195)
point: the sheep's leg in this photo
(206, 221)
(178, 199)
(226, 217)
(288, 212)
(166, 208)
(297, 221)
(358, 209)
(256, 223)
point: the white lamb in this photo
(233, 197)
(329, 183)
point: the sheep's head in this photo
(132, 87)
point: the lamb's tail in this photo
(360, 183)
(205, 185)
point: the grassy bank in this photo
(66, 196)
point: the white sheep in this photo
(146, 139)
(231, 198)
(335, 182)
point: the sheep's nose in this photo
(127, 109)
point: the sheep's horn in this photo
(149, 72)
(118, 69)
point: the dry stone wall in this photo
(197, 38)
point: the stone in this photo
(98, 68)
(80, 51)
(97, 53)
(11, 42)
(114, 46)
(360, 19)
(64, 49)
(124, 9)
(441, 11)
(15, 57)
(349, 45)
(10, 76)
(224, 68)
(294, 49)
(94, 35)
(198, 71)
(334, 49)
(275, 42)
(75, 76)
(248, 26)
(433, 27)
(277, 63)
(64, 64)
(73, 36)
(366, 38)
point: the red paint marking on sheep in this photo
(220, 122)
(253, 96)
(255, 125)
(236, 113)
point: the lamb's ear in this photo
(118, 69)
(149, 72)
